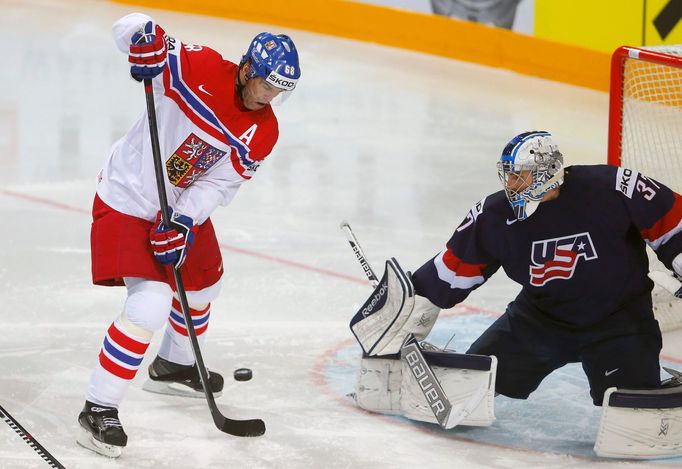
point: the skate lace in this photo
(111, 422)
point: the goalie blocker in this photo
(391, 313)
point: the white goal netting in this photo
(651, 140)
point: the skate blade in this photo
(86, 440)
(174, 389)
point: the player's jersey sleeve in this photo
(464, 265)
(655, 210)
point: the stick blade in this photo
(245, 428)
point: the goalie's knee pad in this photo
(641, 424)
(391, 313)
(468, 382)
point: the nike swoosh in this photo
(609, 373)
(511, 222)
(201, 88)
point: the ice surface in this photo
(399, 144)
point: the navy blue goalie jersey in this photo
(580, 258)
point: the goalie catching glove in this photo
(391, 313)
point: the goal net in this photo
(645, 132)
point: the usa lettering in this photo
(556, 258)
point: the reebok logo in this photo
(380, 295)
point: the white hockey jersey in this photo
(209, 141)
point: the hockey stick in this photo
(359, 254)
(28, 438)
(252, 427)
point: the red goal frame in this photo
(618, 59)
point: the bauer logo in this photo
(376, 301)
(426, 381)
(626, 180)
(556, 258)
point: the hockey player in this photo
(575, 239)
(216, 126)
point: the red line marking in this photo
(296, 264)
(44, 201)
(238, 250)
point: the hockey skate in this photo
(101, 430)
(166, 377)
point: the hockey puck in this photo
(243, 374)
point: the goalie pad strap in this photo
(667, 398)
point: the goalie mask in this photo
(530, 166)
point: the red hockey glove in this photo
(170, 244)
(148, 52)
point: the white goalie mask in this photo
(530, 166)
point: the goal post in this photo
(645, 132)
(645, 112)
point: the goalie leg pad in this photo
(467, 380)
(641, 424)
(385, 312)
(377, 388)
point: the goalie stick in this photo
(359, 254)
(29, 439)
(252, 427)
(442, 406)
